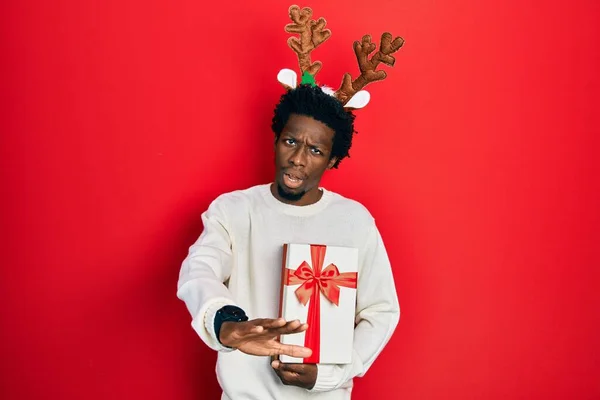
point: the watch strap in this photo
(228, 313)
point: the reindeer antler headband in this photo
(312, 34)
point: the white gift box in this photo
(318, 286)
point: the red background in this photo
(122, 120)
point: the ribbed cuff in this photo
(204, 324)
(332, 376)
(328, 377)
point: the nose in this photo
(298, 157)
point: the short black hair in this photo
(313, 102)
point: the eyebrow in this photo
(295, 136)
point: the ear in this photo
(288, 78)
(332, 162)
(359, 100)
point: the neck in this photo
(308, 198)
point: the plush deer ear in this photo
(288, 78)
(359, 100)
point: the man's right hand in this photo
(259, 337)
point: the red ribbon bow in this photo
(312, 282)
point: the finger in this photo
(288, 378)
(288, 327)
(292, 325)
(291, 328)
(293, 368)
(277, 368)
(264, 326)
(280, 375)
(301, 328)
(267, 326)
(293, 351)
(272, 323)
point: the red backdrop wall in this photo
(122, 120)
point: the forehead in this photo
(310, 128)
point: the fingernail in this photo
(275, 364)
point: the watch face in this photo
(230, 310)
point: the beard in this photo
(287, 195)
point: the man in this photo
(230, 281)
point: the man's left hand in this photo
(301, 375)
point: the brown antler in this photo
(312, 35)
(367, 67)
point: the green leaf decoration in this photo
(308, 79)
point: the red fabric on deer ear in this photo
(312, 34)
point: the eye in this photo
(314, 150)
(289, 142)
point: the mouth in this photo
(292, 181)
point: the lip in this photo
(295, 175)
(292, 181)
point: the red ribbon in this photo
(313, 282)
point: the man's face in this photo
(302, 154)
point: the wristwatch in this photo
(228, 313)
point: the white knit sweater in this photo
(237, 260)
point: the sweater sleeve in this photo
(203, 273)
(377, 315)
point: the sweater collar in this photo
(290, 209)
